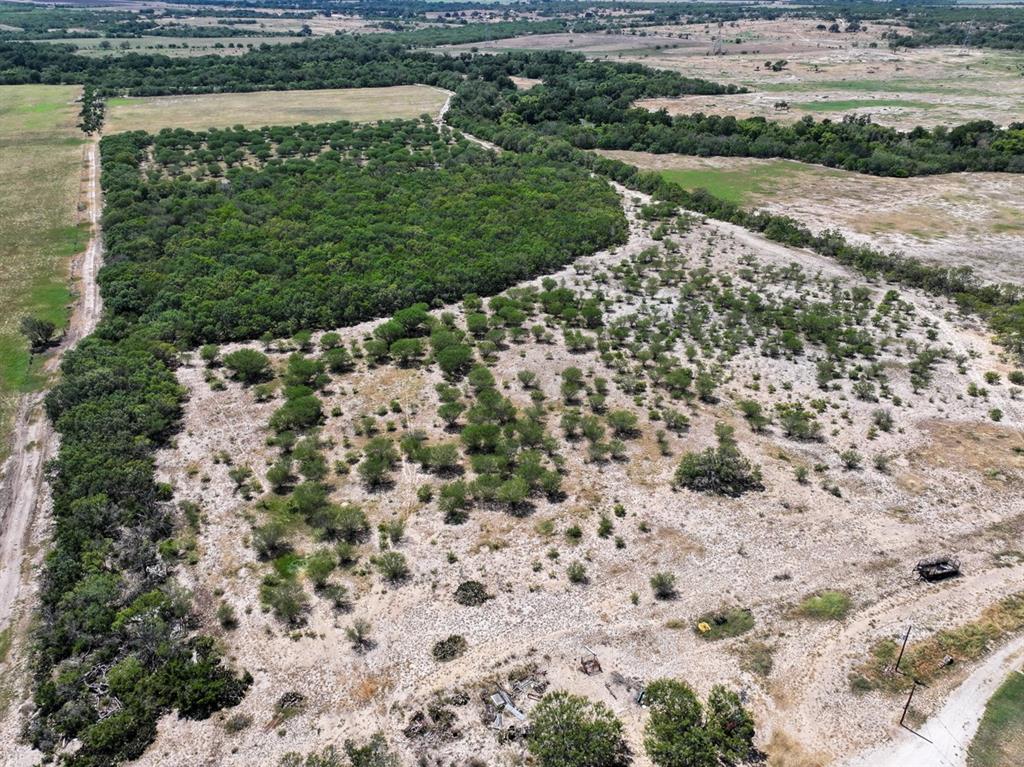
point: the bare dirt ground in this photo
(23, 497)
(763, 551)
(972, 219)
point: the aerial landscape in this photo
(443, 383)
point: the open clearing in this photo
(826, 75)
(261, 108)
(829, 75)
(856, 532)
(40, 180)
(974, 219)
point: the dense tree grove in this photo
(112, 649)
(578, 107)
(319, 243)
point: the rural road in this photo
(34, 440)
(943, 740)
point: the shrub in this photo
(722, 470)
(392, 566)
(571, 731)
(450, 648)
(248, 365)
(471, 594)
(577, 573)
(663, 585)
(359, 635)
(286, 598)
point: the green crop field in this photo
(40, 166)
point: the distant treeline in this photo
(37, 22)
(583, 107)
(323, 63)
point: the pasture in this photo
(219, 110)
(40, 167)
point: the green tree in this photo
(675, 735)
(38, 332)
(571, 731)
(730, 725)
(248, 365)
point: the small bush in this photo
(826, 605)
(471, 594)
(450, 648)
(663, 585)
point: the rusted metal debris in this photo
(938, 568)
(589, 664)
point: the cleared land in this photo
(272, 108)
(1000, 738)
(826, 74)
(959, 218)
(834, 75)
(948, 479)
(40, 179)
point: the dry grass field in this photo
(832, 75)
(271, 108)
(40, 169)
(974, 219)
(827, 529)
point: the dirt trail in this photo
(34, 440)
(439, 121)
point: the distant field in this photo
(1000, 738)
(271, 108)
(40, 166)
(975, 219)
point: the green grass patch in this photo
(40, 167)
(6, 639)
(826, 605)
(927, 660)
(288, 565)
(1000, 737)
(723, 624)
(847, 104)
(880, 86)
(741, 184)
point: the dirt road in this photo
(34, 440)
(944, 739)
